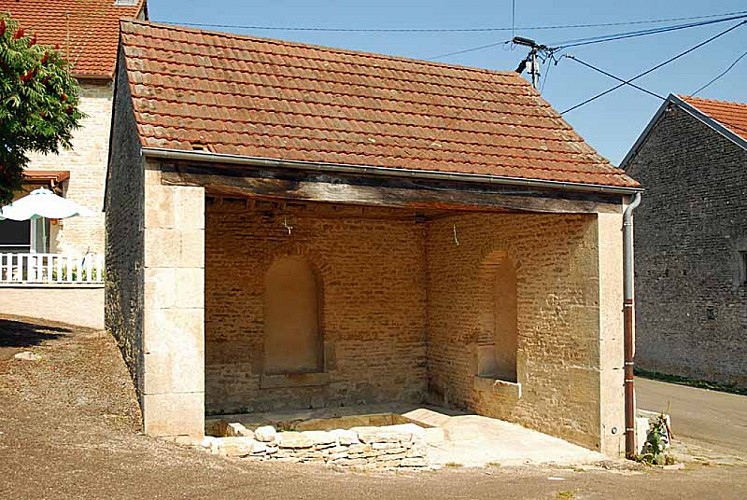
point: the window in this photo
(15, 236)
(293, 340)
(743, 263)
(24, 236)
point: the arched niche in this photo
(498, 338)
(293, 340)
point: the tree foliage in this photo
(38, 103)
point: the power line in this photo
(554, 62)
(604, 38)
(453, 30)
(671, 59)
(624, 82)
(720, 74)
(633, 34)
(472, 49)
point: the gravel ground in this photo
(69, 429)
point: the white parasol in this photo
(42, 203)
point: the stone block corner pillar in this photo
(173, 395)
(611, 353)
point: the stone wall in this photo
(387, 447)
(173, 307)
(691, 296)
(124, 229)
(403, 315)
(86, 161)
(558, 370)
(372, 281)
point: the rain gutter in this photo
(628, 337)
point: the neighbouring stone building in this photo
(87, 33)
(691, 240)
(293, 226)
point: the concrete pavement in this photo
(712, 419)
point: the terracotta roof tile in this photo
(732, 115)
(273, 99)
(87, 30)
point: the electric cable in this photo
(651, 70)
(603, 38)
(625, 82)
(452, 30)
(464, 51)
(720, 75)
(633, 34)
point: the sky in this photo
(610, 124)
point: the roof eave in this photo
(709, 121)
(93, 77)
(205, 156)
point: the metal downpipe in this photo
(628, 319)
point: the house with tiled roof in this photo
(297, 227)
(691, 240)
(52, 253)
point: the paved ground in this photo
(710, 419)
(69, 429)
(475, 441)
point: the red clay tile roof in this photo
(732, 115)
(93, 27)
(272, 99)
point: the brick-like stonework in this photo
(86, 161)
(691, 299)
(558, 261)
(372, 278)
(386, 447)
(403, 312)
(125, 244)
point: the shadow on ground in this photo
(19, 334)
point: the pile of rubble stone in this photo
(384, 447)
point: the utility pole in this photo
(531, 59)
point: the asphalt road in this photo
(714, 419)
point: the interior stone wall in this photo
(558, 320)
(371, 274)
(404, 313)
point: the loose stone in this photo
(266, 434)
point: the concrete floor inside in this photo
(453, 438)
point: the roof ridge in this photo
(714, 101)
(323, 48)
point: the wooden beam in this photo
(385, 194)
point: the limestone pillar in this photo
(173, 390)
(611, 362)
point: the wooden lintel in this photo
(383, 195)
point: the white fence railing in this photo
(50, 268)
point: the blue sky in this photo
(610, 124)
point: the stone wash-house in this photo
(292, 226)
(691, 240)
(87, 33)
